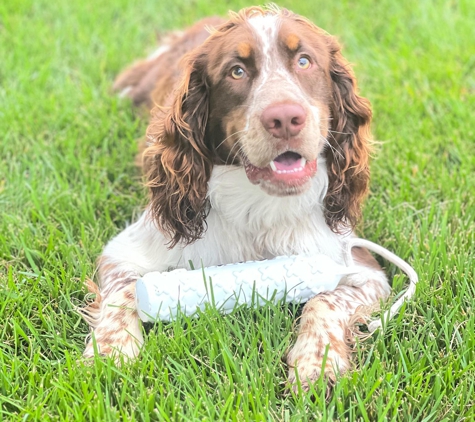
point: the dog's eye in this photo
(303, 62)
(238, 72)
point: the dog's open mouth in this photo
(288, 169)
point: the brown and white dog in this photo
(258, 147)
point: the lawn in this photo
(68, 184)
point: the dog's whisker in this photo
(232, 134)
(340, 133)
(231, 150)
(332, 147)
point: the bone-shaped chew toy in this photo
(298, 278)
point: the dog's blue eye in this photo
(303, 63)
(238, 72)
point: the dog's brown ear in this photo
(350, 146)
(178, 162)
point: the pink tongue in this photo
(287, 161)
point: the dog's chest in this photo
(246, 224)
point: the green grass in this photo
(68, 184)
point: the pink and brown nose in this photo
(284, 120)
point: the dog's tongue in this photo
(288, 161)
(287, 169)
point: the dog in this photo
(258, 146)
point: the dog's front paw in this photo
(309, 360)
(117, 345)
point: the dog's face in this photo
(269, 100)
(268, 91)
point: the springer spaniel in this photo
(258, 147)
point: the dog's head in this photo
(268, 91)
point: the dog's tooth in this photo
(303, 161)
(272, 166)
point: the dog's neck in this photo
(248, 207)
(245, 223)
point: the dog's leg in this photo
(325, 333)
(116, 329)
(112, 316)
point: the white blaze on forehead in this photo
(266, 29)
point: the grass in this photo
(68, 184)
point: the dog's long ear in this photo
(350, 140)
(178, 162)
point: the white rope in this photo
(398, 262)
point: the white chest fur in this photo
(245, 223)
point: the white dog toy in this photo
(162, 295)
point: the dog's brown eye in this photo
(303, 62)
(238, 72)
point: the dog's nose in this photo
(284, 120)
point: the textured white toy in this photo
(163, 295)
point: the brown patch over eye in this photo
(292, 42)
(244, 50)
